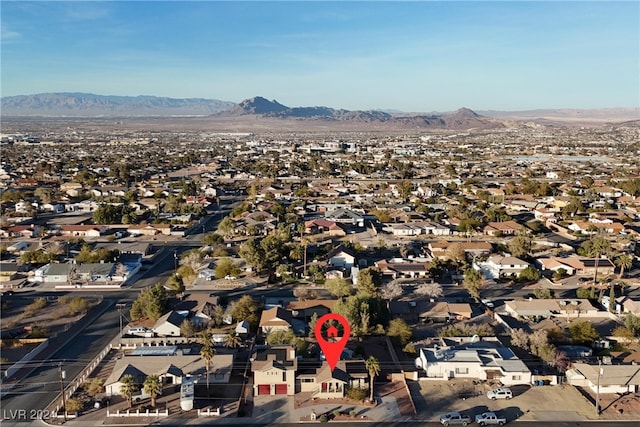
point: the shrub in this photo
(336, 413)
(356, 393)
(353, 413)
(323, 418)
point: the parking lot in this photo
(546, 403)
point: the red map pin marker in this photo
(332, 348)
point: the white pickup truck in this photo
(487, 418)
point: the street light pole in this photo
(64, 402)
(175, 261)
(598, 388)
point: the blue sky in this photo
(409, 56)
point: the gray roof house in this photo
(479, 358)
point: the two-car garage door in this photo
(264, 389)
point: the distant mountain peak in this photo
(260, 105)
(464, 113)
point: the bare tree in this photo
(391, 291)
(520, 338)
(431, 290)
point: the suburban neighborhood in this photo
(470, 266)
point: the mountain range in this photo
(259, 110)
(91, 105)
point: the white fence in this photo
(209, 412)
(138, 413)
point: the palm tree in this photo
(153, 387)
(599, 246)
(373, 367)
(232, 340)
(625, 262)
(128, 387)
(207, 352)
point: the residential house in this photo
(323, 226)
(441, 312)
(345, 216)
(587, 266)
(341, 257)
(95, 272)
(275, 319)
(545, 308)
(502, 228)
(274, 370)
(325, 383)
(478, 358)
(169, 324)
(169, 364)
(8, 271)
(82, 230)
(57, 273)
(403, 268)
(618, 379)
(497, 266)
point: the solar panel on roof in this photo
(167, 350)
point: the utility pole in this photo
(598, 388)
(64, 401)
(120, 306)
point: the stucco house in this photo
(497, 266)
(273, 319)
(169, 324)
(274, 370)
(479, 358)
(611, 378)
(324, 383)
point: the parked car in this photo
(487, 418)
(487, 302)
(454, 418)
(499, 393)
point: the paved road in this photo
(34, 393)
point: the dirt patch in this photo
(399, 391)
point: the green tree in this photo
(473, 282)
(150, 304)
(187, 328)
(279, 336)
(175, 284)
(399, 331)
(253, 253)
(632, 322)
(245, 309)
(559, 274)
(625, 262)
(73, 405)
(213, 239)
(595, 247)
(529, 274)
(338, 287)
(153, 387)
(226, 267)
(368, 281)
(128, 386)
(583, 332)
(232, 340)
(227, 226)
(373, 368)
(207, 352)
(520, 245)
